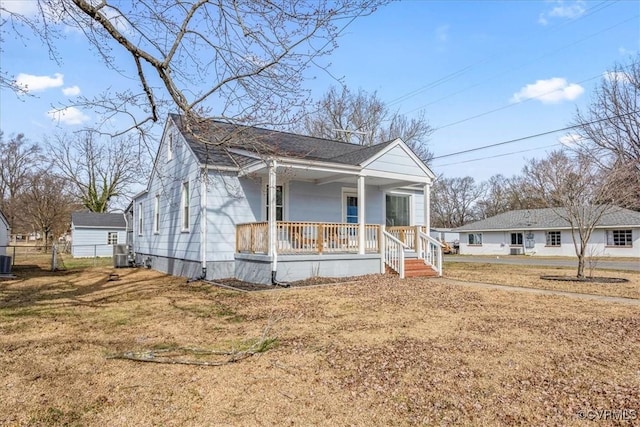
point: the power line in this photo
(498, 155)
(597, 8)
(511, 141)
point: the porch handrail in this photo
(407, 234)
(431, 251)
(306, 237)
(393, 253)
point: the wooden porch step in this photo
(417, 268)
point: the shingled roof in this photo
(98, 220)
(222, 136)
(536, 219)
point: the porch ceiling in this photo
(323, 176)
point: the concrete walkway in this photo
(602, 298)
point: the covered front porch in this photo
(350, 216)
(307, 249)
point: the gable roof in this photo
(98, 220)
(224, 137)
(536, 219)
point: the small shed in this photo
(5, 234)
(94, 234)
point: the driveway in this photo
(626, 264)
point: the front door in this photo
(350, 208)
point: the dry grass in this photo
(529, 277)
(388, 352)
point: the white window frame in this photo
(611, 241)
(156, 214)
(348, 191)
(140, 220)
(185, 207)
(411, 205)
(516, 234)
(478, 236)
(551, 241)
(110, 238)
(264, 189)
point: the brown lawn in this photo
(380, 352)
(529, 277)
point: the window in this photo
(156, 215)
(475, 238)
(140, 224)
(516, 239)
(112, 238)
(397, 208)
(185, 206)
(553, 238)
(279, 203)
(170, 147)
(619, 238)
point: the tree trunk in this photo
(580, 274)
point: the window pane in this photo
(397, 209)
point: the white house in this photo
(231, 201)
(94, 234)
(543, 232)
(5, 234)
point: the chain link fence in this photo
(54, 257)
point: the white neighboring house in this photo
(5, 234)
(542, 232)
(264, 206)
(94, 234)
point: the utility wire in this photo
(597, 8)
(498, 155)
(511, 141)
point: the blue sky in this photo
(532, 62)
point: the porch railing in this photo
(430, 250)
(407, 234)
(393, 253)
(307, 238)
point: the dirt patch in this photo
(240, 285)
(586, 279)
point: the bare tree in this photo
(242, 61)
(18, 160)
(454, 201)
(578, 191)
(99, 169)
(610, 127)
(47, 204)
(609, 130)
(505, 194)
(365, 119)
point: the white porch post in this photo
(361, 215)
(427, 208)
(271, 194)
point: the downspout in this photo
(273, 247)
(203, 222)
